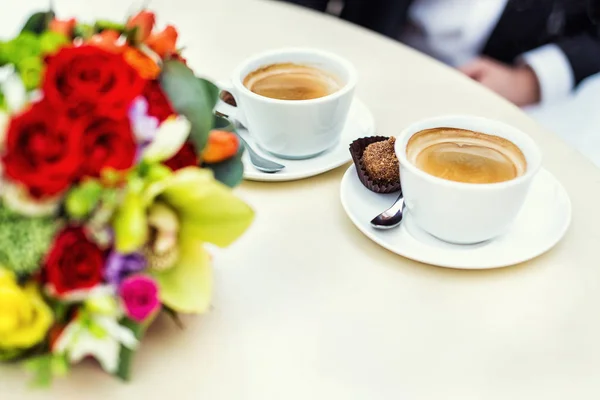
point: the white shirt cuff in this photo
(553, 71)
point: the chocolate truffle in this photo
(380, 162)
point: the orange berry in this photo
(221, 146)
(107, 40)
(143, 22)
(163, 43)
(64, 27)
(144, 65)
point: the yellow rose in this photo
(24, 317)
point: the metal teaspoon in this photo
(261, 163)
(392, 217)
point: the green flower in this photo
(207, 211)
(24, 240)
(23, 46)
(130, 223)
(30, 70)
(83, 199)
(84, 31)
(50, 42)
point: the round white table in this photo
(306, 307)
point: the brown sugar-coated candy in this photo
(381, 163)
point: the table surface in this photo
(306, 307)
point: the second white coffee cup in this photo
(293, 129)
(465, 213)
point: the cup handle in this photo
(229, 111)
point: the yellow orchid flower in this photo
(207, 212)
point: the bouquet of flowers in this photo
(114, 174)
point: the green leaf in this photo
(42, 374)
(213, 91)
(60, 365)
(229, 172)
(191, 97)
(174, 316)
(4, 59)
(45, 368)
(224, 124)
(8, 355)
(61, 310)
(3, 106)
(126, 355)
(38, 22)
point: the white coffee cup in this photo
(294, 129)
(465, 213)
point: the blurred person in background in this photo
(528, 51)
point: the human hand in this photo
(517, 84)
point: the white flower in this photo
(95, 298)
(101, 338)
(18, 200)
(96, 331)
(169, 138)
(13, 88)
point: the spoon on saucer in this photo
(391, 217)
(261, 163)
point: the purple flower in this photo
(119, 266)
(144, 126)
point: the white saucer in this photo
(360, 123)
(541, 224)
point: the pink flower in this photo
(139, 295)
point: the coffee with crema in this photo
(466, 156)
(291, 82)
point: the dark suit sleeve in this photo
(583, 52)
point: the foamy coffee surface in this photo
(291, 82)
(466, 156)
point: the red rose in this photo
(107, 143)
(43, 150)
(89, 80)
(158, 103)
(74, 262)
(185, 157)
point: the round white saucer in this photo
(360, 123)
(541, 224)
